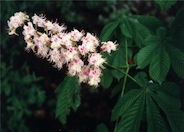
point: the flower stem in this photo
(127, 70)
(122, 72)
(124, 82)
(125, 78)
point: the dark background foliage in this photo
(16, 64)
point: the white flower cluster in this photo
(76, 49)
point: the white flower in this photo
(90, 42)
(16, 21)
(44, 38)
(84, 74)
(49, 25)
(55, 42)
(82, 49)
(59, 64)
(29, 46)
(76, 35)
(57, 29)
(37, 40)
(70, 54)
(75, 66)
(66, 39)
(42, 51)
(54, 55)
(94, 76)
(39, 20)
(96, 59)
(28, 31)
(108, 46)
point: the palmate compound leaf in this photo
(124, 103)
(68, 97)
(174, 115)
(177, 60)
(155, 122)
(131, 119)
(160, 65)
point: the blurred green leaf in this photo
(165, 4)
(102, 128)
(151, 22)
(176, 31)
(177, 60)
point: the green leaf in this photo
(102, 128)
(171, 89)
(151, 39)
(108, 30)
(176, 31)
(117, 74)
(173, 101)
(151, 22)
(131, 119)
(68, 96)
(124, 103)
(165, 4)
(140, 33)
(126, 28)
(141, 79)
(174, 115)
(132, 28)
(177, 60)
(161, 33)
(145, 55)
(155, 122)
(117, 59)
(106, 78)
(160, 65)
(117, 88)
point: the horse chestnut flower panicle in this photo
(63, 48)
